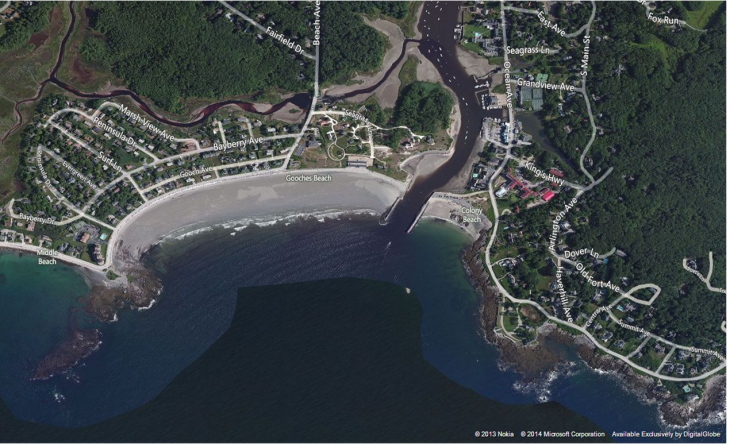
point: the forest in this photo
(423, 107)
(173, 51)
(32, 19)
(348, 46)
(660, 97)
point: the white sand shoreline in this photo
(265, 197)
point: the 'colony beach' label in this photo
(470, 210)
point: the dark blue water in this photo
(143, 351)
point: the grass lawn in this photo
(499, 89)
(699, 19)
(471, 46)
(510, 322)
(659, 45)
(544, 283)
(510, 251)
(471, 30)
(570, 330)
(650, 360)
(391, 172)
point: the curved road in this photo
(506, 294)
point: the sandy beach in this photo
(257, 197)
(473, 64)
(452, 209)
(93, 275)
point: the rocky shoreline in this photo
(78, 345)
(137, 288)
(536, 360)
(261, 196)
(140, 289)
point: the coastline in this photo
(236, 201)
(535, 361)
(261, 196)
(451, 210)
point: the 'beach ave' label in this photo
(316, 24)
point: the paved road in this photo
(61, 257)
(506, 294)
(706, 279)
(256, 24)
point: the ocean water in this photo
(334, 360)
(36, 305)
(144, 350)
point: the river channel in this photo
(438, 45)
